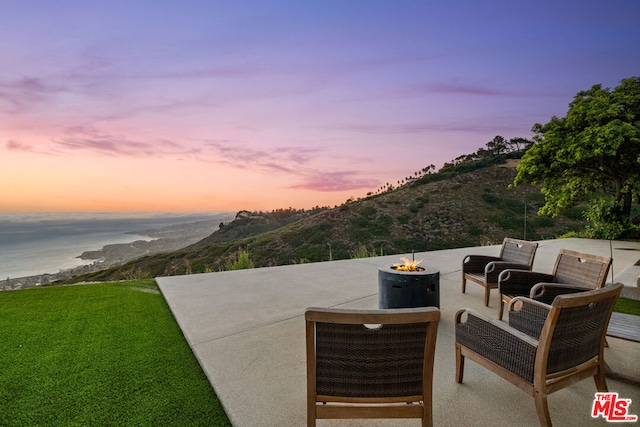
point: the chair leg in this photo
(487, 290)
(600, 380)
(459, 364)
(500, 308)
(464, 283)
(542, 408)
(427, 414)
(311, 412)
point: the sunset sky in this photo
(209, 105)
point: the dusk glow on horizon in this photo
(258, 105)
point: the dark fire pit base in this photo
(408, 289)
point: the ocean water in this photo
(38, 243)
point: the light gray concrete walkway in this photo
(247, 330)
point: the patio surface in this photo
(247, 330)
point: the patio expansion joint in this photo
(244, 330)
(352, 300)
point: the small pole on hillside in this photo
(611, 252)
(525, 217)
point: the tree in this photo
(593, 153)
(518, 144)
(497, 146)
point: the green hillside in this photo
(465, 205)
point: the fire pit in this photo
(408, 285)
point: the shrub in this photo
(489, 198)
(380, 225)
(542, 221)
(474, 230)
(507, 222)
(362, 251)
(241, 263)
(367, 211)
(404, 218)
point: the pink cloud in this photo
(292, 161)
(334, 182)
(14, 145)
(18, 95)
(88, 138)
(278, 159)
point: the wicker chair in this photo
(484, 269)
(370, 363)
(571, 268)
(541, 358)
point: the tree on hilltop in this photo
(591, 154)
(495, 151)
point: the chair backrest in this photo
(370, 356)
(576, 268)
(574, 331)
(518, 251)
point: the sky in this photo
(203, 105)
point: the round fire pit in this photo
(408, 289)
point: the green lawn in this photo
(101, 354)
(629, 306)
(106, 354)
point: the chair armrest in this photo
(477, 263)
(494, 268)
(547, 292)
(528, 315)
(519, 282)
(493, 324)
(506, 346)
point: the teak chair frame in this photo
(537, 360)
(348, 401)
(485, 269)
(570, 268)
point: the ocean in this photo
(37, 243)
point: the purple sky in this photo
(205, 105)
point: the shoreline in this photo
(162, 239)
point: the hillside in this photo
(436, 212)
(247, 224)
(164, 239)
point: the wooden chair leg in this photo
(487, 291)
(427, 414)
(311, 413)
(500, 308)
(542, 408)
(464, 283)
(600, 380)
(459, 364)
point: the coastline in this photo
(176, 232)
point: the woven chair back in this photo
(580, 269)
(360, 361)
(518, 251)
(577, 330)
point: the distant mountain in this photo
(465, 205)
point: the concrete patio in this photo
(247, 330)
